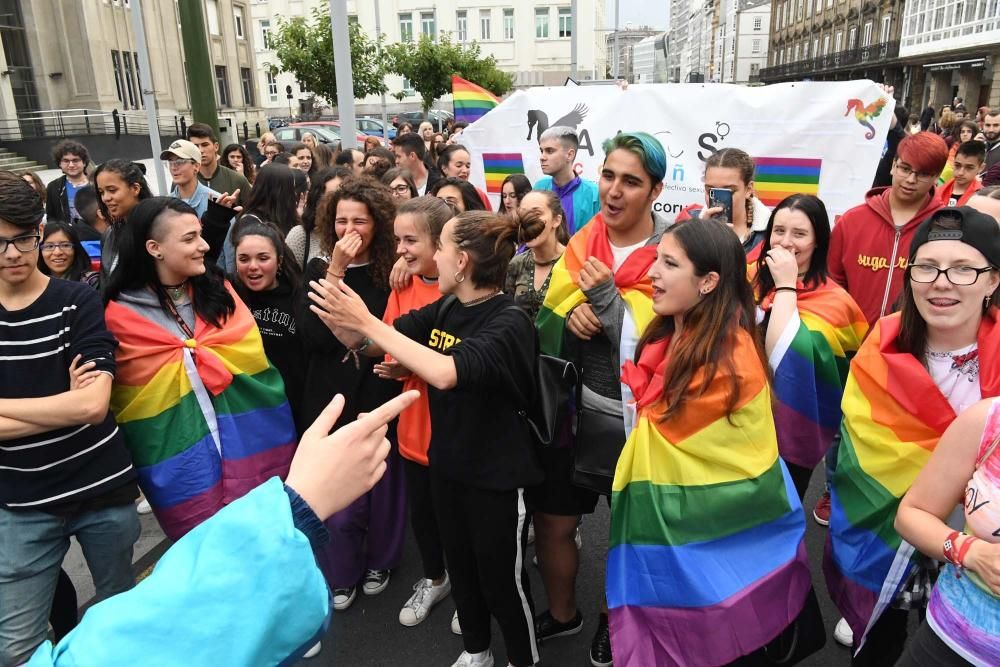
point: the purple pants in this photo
(368, 534)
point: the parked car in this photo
(373, 127)
(292, 134)
(329, 125)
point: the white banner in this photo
(822, 138)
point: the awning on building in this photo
(972, 63)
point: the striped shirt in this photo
(65, 466)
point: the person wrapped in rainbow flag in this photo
(203, 412)
(914, 374)
(707, 559)
(812, 328)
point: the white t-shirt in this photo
(956, 374)
(622, 254)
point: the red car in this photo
(329, 125)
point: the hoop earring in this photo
(459, 277)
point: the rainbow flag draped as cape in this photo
(471, 101)
(564, 293)
(894, 416)
(190, 461)
(706, 559)
(810, 363)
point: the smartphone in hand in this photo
(724, 198)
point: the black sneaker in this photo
(600, 647)
(547, 627)
(375, 582)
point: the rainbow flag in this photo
(564, 293)
(498, 166)
(780, 177)
(707, 559)
(810, 363)
(471, 101)
(190, 461)
(894, 416)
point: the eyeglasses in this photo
(956, 275)
(67, 160)
(906, 171)
(401, 189)
(22, 243)
(177, 164)
(49, 247)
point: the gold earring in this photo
(459, 277)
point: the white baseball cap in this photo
(182, 149)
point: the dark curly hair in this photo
(381, 207)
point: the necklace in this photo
(175, 292)
(482, 299)
(548, 263)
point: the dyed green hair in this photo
(645, 147)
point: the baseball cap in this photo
(976, 229)
(183, 149)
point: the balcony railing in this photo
(872, 54)
(77, 122)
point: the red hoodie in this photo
(865, 243)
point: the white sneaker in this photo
(314, 651)
(578, 539)
(144, 507)
(455, 627)
(484, 659)
(843, 633)
(344, 597)
(425, 596)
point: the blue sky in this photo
(638, 12)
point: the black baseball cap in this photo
(976, 229)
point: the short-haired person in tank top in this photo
(475, 350)
(915, 373)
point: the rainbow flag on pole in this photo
(810, 362)
(780, 177)
(498, 166)
(707, 559)
(894, 416)
(205, 419)
(471, 101)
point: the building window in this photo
(755, 46)
(212, 12)
(129, 82)
(805, 50)
(272, 87)
(541, 22)
(887, 23)
(462, 25)
(798, 11)
(116, 66)
(826, 45)
(427, 24)
(265, 34)
(819, 6)
(838, 41)
(484, 24)
(565, 21)
(795, 54)
(852, 37)
(829, 4)
(222, 84)
(406, 27)
(246, 78)
(508, 24)
(238, 14)
(816, 47)
(408, 87)
(757, 22)
(866, 40)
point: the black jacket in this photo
(56, 201)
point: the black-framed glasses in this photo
(22, 243)
(65, 246)
(906, 171)
(956, 275)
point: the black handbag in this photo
(600, 438)
(556, 380)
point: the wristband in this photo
(333, 273)
(786, 289)
(950, 553)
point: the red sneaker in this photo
(822, 510)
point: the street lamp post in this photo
(148, 96)
(344, 72)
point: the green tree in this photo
(429, 65)
(305, 49)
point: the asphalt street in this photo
(369, 633)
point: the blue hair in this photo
(645, 147)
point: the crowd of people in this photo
(180, 346)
